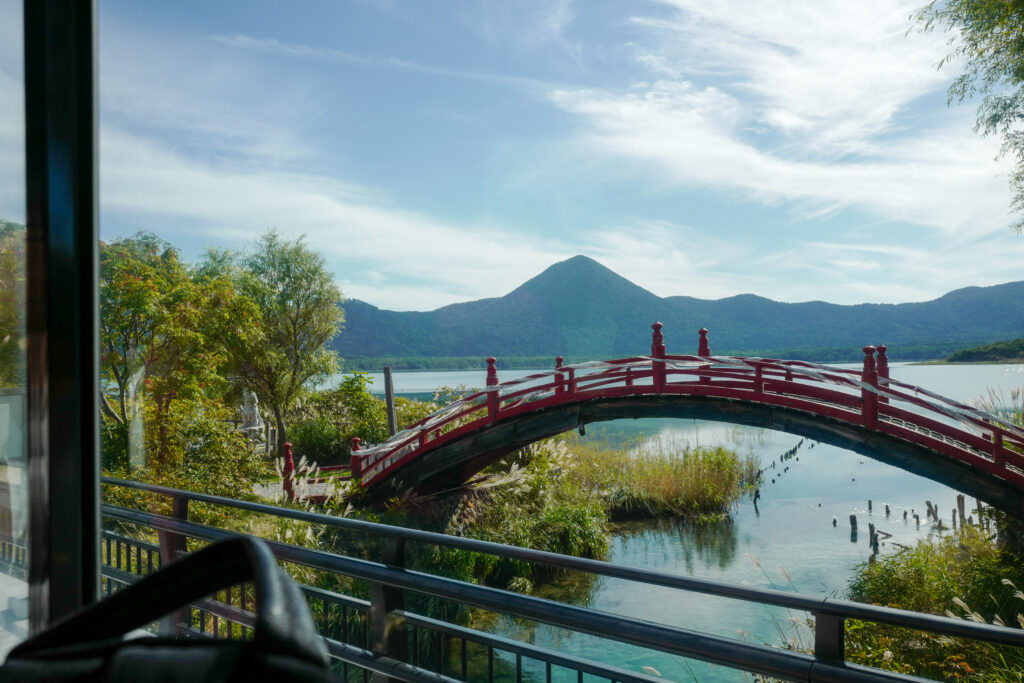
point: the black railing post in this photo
(829, 637)
(172, 547)
(387, 630)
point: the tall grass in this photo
(966, 575)
(668, 478)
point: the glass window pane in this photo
(13, 472)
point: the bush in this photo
(965, 575)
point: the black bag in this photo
(89, 645)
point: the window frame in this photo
(62, 316)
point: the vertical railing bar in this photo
(465, 663)
(490, 664)
(547, 672)
(438, 660)
(519, 668)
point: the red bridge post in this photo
(492, 381)
(559, 379)
(658, 352)
(869, 399)
(287, 472)
(704, 350)
(883, 370)
(355, 459)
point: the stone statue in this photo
(250, 411)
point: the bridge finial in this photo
(657, 341)
(870, 371)
(883, 361)
(558, 362)
(703, 347)
(492, 372)
(355, 463)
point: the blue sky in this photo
(443, 152)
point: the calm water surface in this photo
(787, 542)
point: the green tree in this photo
(298, 309)
(988, 39)
(162, 333)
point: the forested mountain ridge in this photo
(580, 308)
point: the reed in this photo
(667, 477)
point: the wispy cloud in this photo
(273, 46)
(147, 184)
(799, 103)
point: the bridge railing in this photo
(380, 636)
(866, 396)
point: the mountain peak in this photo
(579, 275)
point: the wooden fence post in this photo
(389, 397)
(492, 381)
(287, 472)
(559, 378)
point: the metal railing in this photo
(381, 636)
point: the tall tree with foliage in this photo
(988, 39)
(298, 308)
(162, 333)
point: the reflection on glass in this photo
(13, 471)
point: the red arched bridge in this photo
(862, 410)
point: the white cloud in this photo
(810, 105)
(162, 190)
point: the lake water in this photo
(788, 542)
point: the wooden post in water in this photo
(389, 396)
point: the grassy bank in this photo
(967, 575)
(562, 495)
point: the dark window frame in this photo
(62, 328)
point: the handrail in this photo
(719, 650)
(778, 598)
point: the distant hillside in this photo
(581, 309)
(995, 352)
